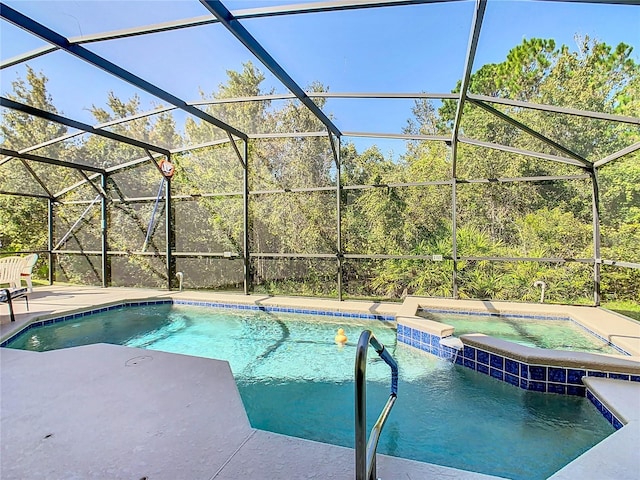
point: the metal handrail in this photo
(366, 450)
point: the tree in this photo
(23, 220)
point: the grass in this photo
(624, 307)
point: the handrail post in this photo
(366, 451)
(361, 405)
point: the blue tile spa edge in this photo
(606, 413)
(230, 306)
(539, 378)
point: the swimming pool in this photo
(551, 333)
(295, 380)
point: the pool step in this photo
(615, 456)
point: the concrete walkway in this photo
(113, 412)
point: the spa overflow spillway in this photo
(295, 380)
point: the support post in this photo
(50, 240)
(597, 258)
(170, 234)
(245, 219)
(106, 263)
(338, 214)
(454, 236)
(474, 35)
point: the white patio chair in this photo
(25, 274)
(10, 268)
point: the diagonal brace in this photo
(530, 131)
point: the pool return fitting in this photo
(366, 450)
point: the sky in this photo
(392, 49)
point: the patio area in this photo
(110, 411)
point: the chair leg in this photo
(10, 305)
(27, 279)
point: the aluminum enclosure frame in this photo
(230, 20)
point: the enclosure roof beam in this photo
(273, 11)
(288, 135)
(478, 15)
(188, 148)
(554, 109)
(327, 6)
(618, 154)
(398, 136)
(22, 194)
(25, 57)
(530, 131)
(44, 144)
(350, 95)
(110, 123)
(381, 95)
(36, 177)
(518, 151)
(51, 161)
(54, 117)
(242, 34)
(79, 51)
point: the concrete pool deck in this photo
(107, 411)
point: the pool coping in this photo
(85, 312)
(119, 296)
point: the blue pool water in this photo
(556, 334)
(295, 380)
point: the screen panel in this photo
(211, 225)
(208, 273)
(298, 222)
(79, 269)
(138, 271)
(397, 221)
(394, 279)
(133, 227)
(295, 277)
(567, 283)
(525, 219)
(77, 227)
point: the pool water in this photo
(294, 380)
(541, 333)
